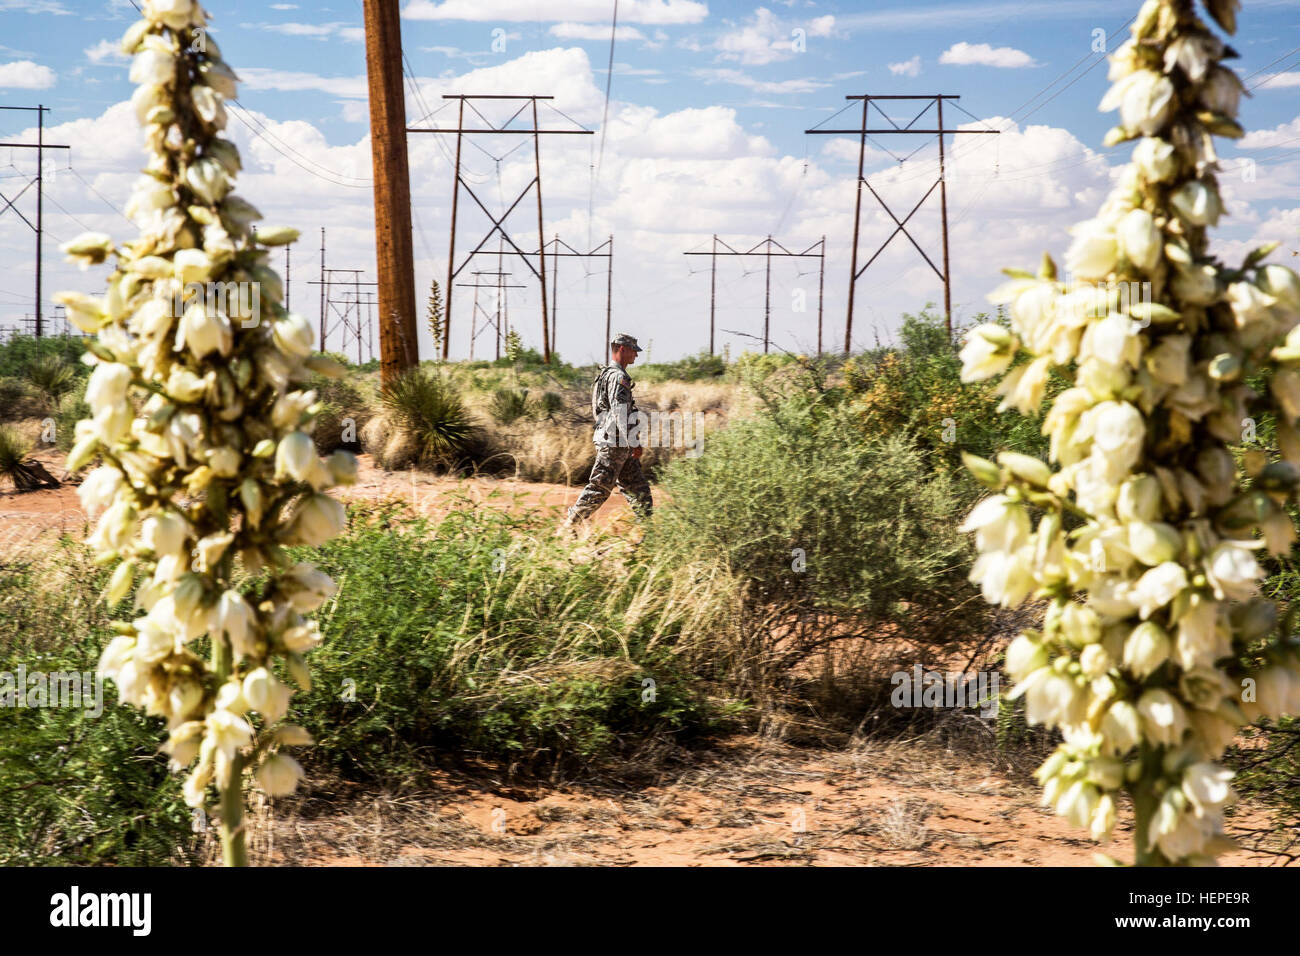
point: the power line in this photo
(106, 201)
(604, 126)
(267, 137)
(1273, 76)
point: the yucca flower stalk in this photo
(201, 424)
(1145, 548)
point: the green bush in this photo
(78, 788)
(343, 400)
(693, 368)
(472, 637)
(817, 519)
(552, 404)
(23, 351)
(53, 378)
(509, 405)
(917, 388)
(71, 409)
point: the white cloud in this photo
(1278, 81)
(843, 149)
(284, 6)
(739, 78)
(319, 31)
(766, 38)
(910, 67)
(33, 6)
(106, 51)
(585, 11)
(981, 54)
(26, 75)
(288, 81)
(927, 17)
(594, 31)
(1267, 138)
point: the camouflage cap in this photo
(628, 340)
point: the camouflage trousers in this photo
(614, 466)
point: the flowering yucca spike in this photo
(201, 426)
(1155, 645)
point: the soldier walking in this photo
(617, 439)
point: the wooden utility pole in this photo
(322, 288)
(398, 348)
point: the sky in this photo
(703, 134)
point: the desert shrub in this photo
(78, 788)
(71, 409)
(52, 378)
(917, 388)
(509, 405)
(552, 404)
(343, 400)
(17, 465)
(17, 400)
(469, 636)
(23, 351)
(693, 368)
(426, 406)
(525, 357)
(833, 538)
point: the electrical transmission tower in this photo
(900, 225)
(345, 308)
(498, 223)
(609, 281)
(38, 227)
(767, 253)
(499, 285)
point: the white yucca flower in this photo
(189, 403)
(1160, 546)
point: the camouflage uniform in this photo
(616, 415)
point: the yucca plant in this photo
(509, 405)
(426, 405)
(52, 377)
(552, 404)
(24, 472)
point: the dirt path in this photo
(749, 803)
(26, 516)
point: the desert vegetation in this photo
(809, 553)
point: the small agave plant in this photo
(1156, 646)
(201, 422)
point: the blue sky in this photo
(709, 102)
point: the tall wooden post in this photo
(398, 346)
(541, 239)
(857, 214)
(609, 295)
(713, 288)
(943, 212)
(40, 185)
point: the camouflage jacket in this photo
(613, 407)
